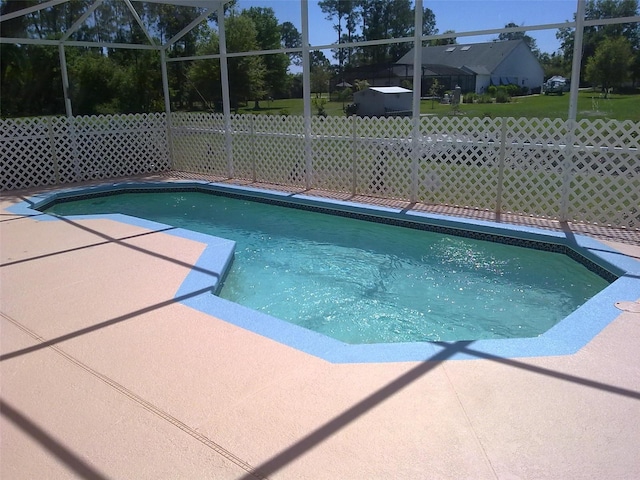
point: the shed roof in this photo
(388, 90)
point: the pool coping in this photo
(567, 337)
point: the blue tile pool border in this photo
(567, 337)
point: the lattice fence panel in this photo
(65, 150)
(198, 143)
(27, 157)
(333, 153)
(605, 181)
(46, 151)
(244, 147)
(540, 132)
(119, 145)
(383, 157)
(279, 149)
(458, 161)
(534, 164)
(592, 174)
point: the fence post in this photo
(252, 136)
(167, 109)
(501, 158)
(567, 168)
(306, 90)
(73, 140)
(569, 157)
(54, 156)
(415, 106)
(228, 144)
(308, 157)
(354, 156)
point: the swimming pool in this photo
(362, 281)
(567, 336)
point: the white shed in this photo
(383, 101)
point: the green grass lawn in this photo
(590, 105)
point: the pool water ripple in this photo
(364, 282)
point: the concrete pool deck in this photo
(104, 374)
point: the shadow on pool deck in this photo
(173, 371)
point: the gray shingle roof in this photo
(477, 57)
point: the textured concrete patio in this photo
(104, 374)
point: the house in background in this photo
(474, 67)
(383, 101)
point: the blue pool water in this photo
(366, 282)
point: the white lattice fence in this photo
(589, 171)
(198, 143)
(27, 153)
(333, 153)
(458, 161)
(244, 147)
(605, 179)
(112, 146)
(54, 150)
(279, 149)
(534, 162)
(383, 164)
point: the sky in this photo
(458, 15)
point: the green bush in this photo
(502, 96)
(491, 90)
(484, 98)
(512, 90)
(351, 109)
(469, 97)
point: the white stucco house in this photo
(474, 67)
(383, 101)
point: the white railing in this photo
(588, 171)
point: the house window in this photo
(450, 49)
(465, 48)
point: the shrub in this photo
(484, 98)
(319, 103)
(469, 97)
(511, 89)
(284, 111)
(502, 97)
(491, 90)
(351, 109)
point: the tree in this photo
(31, 82)
(382, 19)
(635, 68)
(268, 37)
(320, 72)
(246, 74)
(95, 85)
(167, 21)
(290, 37)
(444, 41)
(434, 91)
(554, 64)
(593, 36)
(375, 20)
(609, 66)
(340, 9)
(530, 41)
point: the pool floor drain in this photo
(633, 307)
